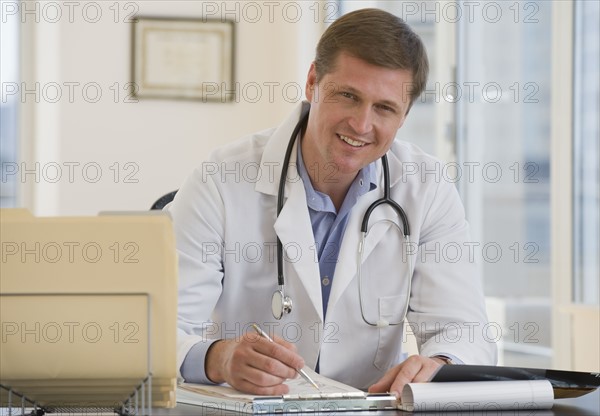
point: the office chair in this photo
(163, 200)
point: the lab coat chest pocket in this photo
(384, 275)
(391, 310)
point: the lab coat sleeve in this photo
(198, 218)
(447, 311)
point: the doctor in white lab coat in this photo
(226, 228)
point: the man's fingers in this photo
(283, 342)
(272, 358)
(407, 373)
(383, 385)
(424, 374)
(251, 388)
(282, 361)
(250, 370)
(256, 365)
(415, 369)
(261, 378)
(270, 363)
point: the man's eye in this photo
(387, 108)
(347, 95)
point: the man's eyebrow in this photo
(389, 103)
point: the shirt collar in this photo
(364, 182)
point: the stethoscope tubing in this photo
(301, 125)
(280, 293)
(386, 200)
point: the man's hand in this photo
(253, 364)
(415, 368)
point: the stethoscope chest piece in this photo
(280, 304)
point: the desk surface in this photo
(588, 405)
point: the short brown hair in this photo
(379, 38)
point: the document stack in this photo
(88, 312)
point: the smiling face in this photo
(355, 113)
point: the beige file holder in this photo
(88, 310)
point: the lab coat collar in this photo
(395, 168)
(272, 159)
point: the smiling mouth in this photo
(351, 142)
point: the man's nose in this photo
(360, 121)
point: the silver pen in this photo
(300, 371)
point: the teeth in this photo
(351, 142)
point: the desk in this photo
(588, 405)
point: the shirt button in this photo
(325, 281)
(360, 182)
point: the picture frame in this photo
(183, 58)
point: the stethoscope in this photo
(281, 304)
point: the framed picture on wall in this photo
(183, 58)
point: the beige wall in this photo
(156, 142)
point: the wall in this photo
(100, 152)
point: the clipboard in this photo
(315, 403)
(303, 398)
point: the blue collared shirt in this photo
(328, 225)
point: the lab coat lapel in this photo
(292, 226)
(294, 229)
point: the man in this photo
(369, 69)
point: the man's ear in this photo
(311, 82)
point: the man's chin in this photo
(345, 168)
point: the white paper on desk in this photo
(298, 387)
(477, 395)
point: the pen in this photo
(300, 371)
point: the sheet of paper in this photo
(298, 388)
(327, 387)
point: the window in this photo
(9, 104)
(586, 154)
(505, 135)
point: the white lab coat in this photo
(226, 228)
